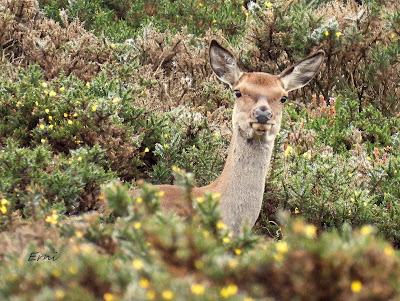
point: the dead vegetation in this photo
(28, 37)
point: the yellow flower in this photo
(176, 169)
(47, 111)
(298, 226)
(78, 234)
(87, 85)
(70, 121)
(75, 115)
(112, 45)
(150, 295)
(278, 257)
(108, 297)
(307, 155)
(160, 194)
(326, 33)
(144, 283)
(94, 108)
(389, 251)
(79, 159)
(59, 294)
(137, 225)
(310, 231)
(52, 219)
(41, 126)
(56, 273)
(288, 151)
(51, 126)
(3, 206)
(338, 34)
(226, 240)
(216, 195)
(366, 230)
(267, 4)
(356, 286)
(62, 89)
(43, 140)
(65, 115)
(116, 100)
(52, 93)
(50, 117)
(228, 291)
(214, 21)
(232, 263)
(282, 247)
(200, 199)
(296, 210)
(44, 85)
(197, 289)
(238, 251)
(137, 264)
(146, 150)
(167, 295)
(220, 225)
(139, 200)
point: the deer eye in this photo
(237, 93)
(283, 99)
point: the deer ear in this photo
(301, 73)
(224, 64)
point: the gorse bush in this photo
(68, 115)
(134, 252)
(361, 46)
(96, 95)
(334, 168)
(34, 181)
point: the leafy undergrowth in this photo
(115, 97)
(133, 252)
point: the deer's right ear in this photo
(224, 64)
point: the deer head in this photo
(260, 96)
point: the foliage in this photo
(142, 254)
(361, 46)
(90, 106)
(120, 20)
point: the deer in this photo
(256, 121)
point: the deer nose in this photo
(262, 114)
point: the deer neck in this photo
(242, 180)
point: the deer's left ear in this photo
(301, 73)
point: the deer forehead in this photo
(259, 85)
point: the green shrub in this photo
(120, 20)
(361, 46)
(336, 166)
(33, 180)
(143, 255)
